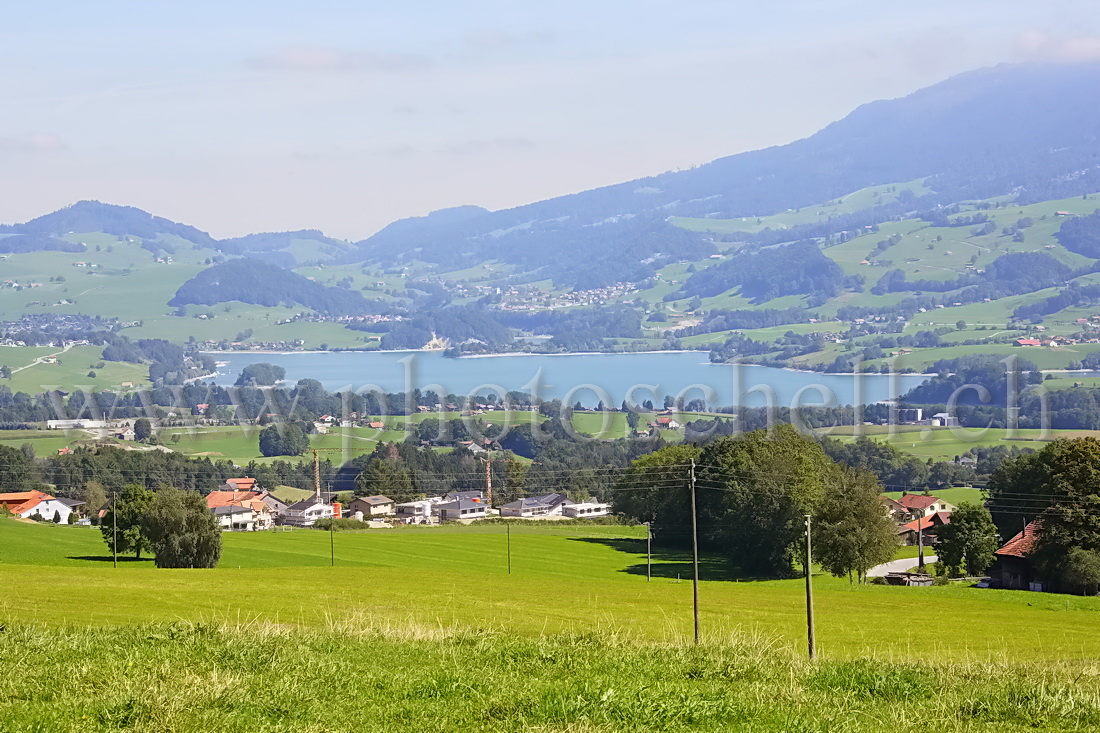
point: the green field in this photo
(563, 579)
(426, 629)
(942, 444)
(69, 372)
(954, 495)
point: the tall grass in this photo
(366, 675)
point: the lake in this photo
(584, 378)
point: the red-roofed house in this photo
(926, 505)
(254, 512)
(1028, 342)
(1013, 567)
(927, 525)
(27, 504)
(240, 484)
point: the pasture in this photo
(943, 444)
(563, 580)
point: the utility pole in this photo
(489, 483)
(694, 554)
(509, 528)
(920, 542)
(114, 527)
(649, 551)
(811, 642)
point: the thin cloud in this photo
(1037, 44)
(469, 147)
(36, 142)
(328, 59)
(491, 38)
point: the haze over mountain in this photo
(1019, 129)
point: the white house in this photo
(418, 512)
(586, 510)
(537, 506)
(305, 513)
(235, 518)
(462, 509)
(28, 504)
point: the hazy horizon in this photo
(271, 117)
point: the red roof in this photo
(230, 498)
(20, 501)
(242, 484)
(917, 501)
(926, 523)
(1023, 544)
(1028, 342)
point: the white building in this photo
(586, 510)
(75, 424)
(305, 513)
(462, 509)
(36, 504)
(547, 505)
(418, 512)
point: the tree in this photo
(967, 543)
(5, 372)
(143, 429)
(1080, 572)
(387, 474)
(758, 487)
(126, 511)
(94, 497)
(851, 531)
(262, 374)
(283, 440)
(181, 530)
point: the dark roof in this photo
(1023, 544)
(230, 509)
(307, 503)
(70, 502)
(453, 495)
(374, 500)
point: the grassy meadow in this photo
(562, 580)
(426, 629)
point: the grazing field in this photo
(563, 580)
(953, 495)
(69, 371)
(944, 444)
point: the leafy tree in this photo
(283, 440)
(143, 429)
(656, 489)
(94, 497)
(967, 543)
(387, 474)
(851, 532)
(1080, 571)
(181, 530)
(126, 510)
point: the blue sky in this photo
(259, 116)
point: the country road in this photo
(39, 360)
(898, 566)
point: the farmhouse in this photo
(28, 504)
(895, 509)
(926, 525)
(372, 506)
(926, 505)
(1013, 567)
